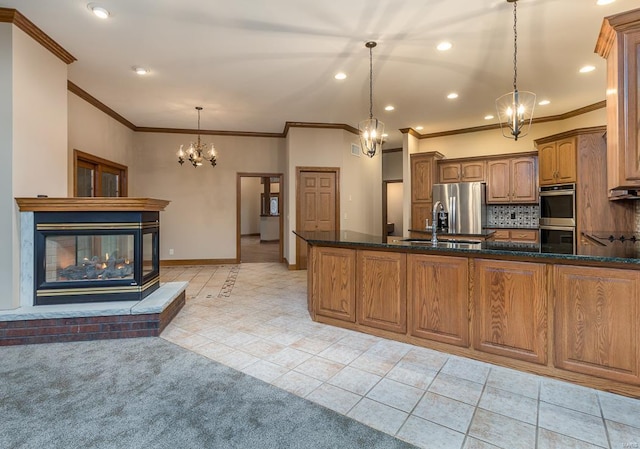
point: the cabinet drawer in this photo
(524, 235)
(501, 235)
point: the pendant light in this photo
(371, 130)
(515, 109)
(197, 152)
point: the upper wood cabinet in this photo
(619, 43)
(557, 161)
(458, 171)
(512, 180)
(423, 175)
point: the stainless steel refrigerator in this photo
(464, 205)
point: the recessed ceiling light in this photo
(587, 69)
(419, 128)
(444, 46)
(389, 108)
(544, 102)
(98, 11)
(141, 70)
(488, 117)
(340, 76)
(452, 96)
(604, 2)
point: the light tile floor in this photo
(253, 318)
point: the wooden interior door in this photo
(317, 205)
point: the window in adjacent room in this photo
(94, 176)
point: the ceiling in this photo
(254, 65)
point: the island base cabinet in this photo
(381, 290)
(597, 322)
(510, 308)
(438, 295)
(333, 284)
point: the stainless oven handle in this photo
(558, 228)
(558, 193)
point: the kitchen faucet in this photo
(437, 207)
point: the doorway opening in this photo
(259, 218)
(392, 201)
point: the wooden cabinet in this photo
(423, 176)
(510, 305)
(515, 235)
(438, 295)
(459, 171)
(597, 321)
(381, 290)
(512, 180)
(557, 162)
(619, 43)
(333, 284)
(587, 148)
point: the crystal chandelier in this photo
(515, 109)
(371, 130)
(197, 153)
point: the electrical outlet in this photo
(171, 251)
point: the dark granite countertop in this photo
(628, 254)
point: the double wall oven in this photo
(558, 219)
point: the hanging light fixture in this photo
(515, 109)
(197, 153)
(371, 130)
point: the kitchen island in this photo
(572, 317)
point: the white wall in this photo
(360, 180)
(394, 206)
(200, 221)
(392, 166)
(250, 188)
(92, 131)
(8, 234)
(34, 94)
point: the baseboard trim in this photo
(178, 262)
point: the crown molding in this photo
(86, 96)
(145, 129)
(548, 118)
(572, 133)
(13, 16)
(342, 126)
(313, 125)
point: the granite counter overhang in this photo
(495, 250)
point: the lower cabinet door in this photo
(334, 282)
(438, 294)
(381, 290)
(597, 322)
(510, 304)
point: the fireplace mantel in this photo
(102, 204)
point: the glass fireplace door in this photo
(92, 257)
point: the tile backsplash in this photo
(513, 216)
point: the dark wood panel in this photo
(597, 322)
(438, 295)
(381, 290)
(510, 302)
